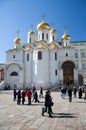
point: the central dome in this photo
(43, 25)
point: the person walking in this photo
(23, 96)
(14, 94)
(29, 95)
(70, 94)
(41, 92)
(48, 104)
(19, 97)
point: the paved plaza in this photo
(67, 116)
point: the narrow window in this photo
(42, 36)
(82, 54)
(66, 54)
(83, 66)
(56, 72)
(76, 55)
(39, 55)
(30, 39)
(55, 56)
(47, 36)
(53, 38)
(14, 56)
(27, 57)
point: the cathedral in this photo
(44, 61)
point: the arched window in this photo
(55, 56)
(42, 36)
(14, 73)
(53, 38)
(30, 39)
(47, 36)
(66, 54)
(56, 72)
(39, 55)
(27, 57)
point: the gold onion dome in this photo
(17, 40)
(53, 31)
(66, 37)
(43, 25)
(31, 33)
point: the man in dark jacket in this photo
(70, 94)
(48, 104)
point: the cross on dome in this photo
(31, 27)
(43, 18)
(65, 29)
(53, 25)
(18, 33)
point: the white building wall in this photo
(14, 80)
(28, 68)
(54, 79)
(18, 56)
(41, 68)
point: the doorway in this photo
(68, 72)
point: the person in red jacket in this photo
(29, 95)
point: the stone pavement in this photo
(67, 116)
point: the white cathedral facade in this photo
(44, 61)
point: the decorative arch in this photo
(68, 72)
(14, 64)
(67, 63)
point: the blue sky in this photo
(20, 14)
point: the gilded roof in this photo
(65, 37)
(53, 31)
(17, 40)
(31, 33)
(43, 25)
(41, 46)
(29, 48)
(53, 47)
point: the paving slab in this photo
(67, 116)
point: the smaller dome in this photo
(17, 40)
(43, 25)
(53, 31)
(31, 33)
(66, 37)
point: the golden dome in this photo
(43, 25)
(53, 31)
(66, 37)
(17, 40)
(31, 33)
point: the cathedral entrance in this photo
(68, 72)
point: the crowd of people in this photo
(71, 91)
(32, 96)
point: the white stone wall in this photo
(41, 67)
(54, 66)
(18, 56)
(28, 68)
(14, 80)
